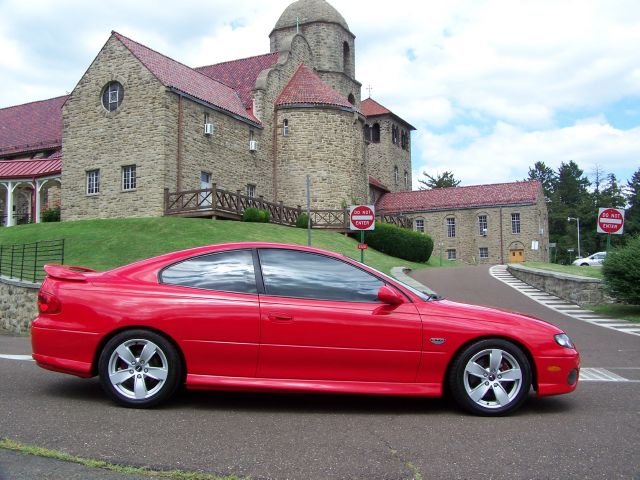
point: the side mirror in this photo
(390, 295)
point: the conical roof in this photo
(308, 11)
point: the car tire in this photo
(490, 378)
(584, 264)
(139, 368)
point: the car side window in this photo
(230, 271)
(289, 273)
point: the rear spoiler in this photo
(69, 273)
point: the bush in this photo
(256, 215)
(399, 242)
(51, 215)
(621, 272)
(302, 221)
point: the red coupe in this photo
(258, 317)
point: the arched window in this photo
(346, 61)
(352, 99)
(375, 133)
(285, 127)
(406, 180)
(367, 133)
(396, 175)
(394, 134)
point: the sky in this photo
(492, 86)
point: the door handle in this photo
(280, 317)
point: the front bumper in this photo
(557, 375)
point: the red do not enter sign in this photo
(610, 220)
(362, 217)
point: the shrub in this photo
(51, 215)
(302, 221)
(255, 215)
(621, 272)
(399, 242)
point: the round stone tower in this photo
(332, 44)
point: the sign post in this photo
(611, 222)
(362, 217)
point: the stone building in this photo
(500, 223)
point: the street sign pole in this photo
(608, 242)
(362, 249)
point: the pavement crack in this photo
(415, 472)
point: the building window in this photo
(515, 223)
(451, 254)
(406, 180)
(352, 99)
(451, 227)
(367, 133)
(93, 182)
(251, 190)
(112, 96)
(285, 127)
(375, 133)
(396, 175)
(404, 140)
(420, 225)
(129, 177)
(482, 225)
(394, 134)
(484, 252)
(345, 58)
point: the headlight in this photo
(563, 340)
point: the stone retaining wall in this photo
(573, 288)
(18, 304)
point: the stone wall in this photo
(325, 143)
(18, 305)
(499, 238)
(134, 134)
(573, 288)
(384, 156)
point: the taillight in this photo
(48, 303)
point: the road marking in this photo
(500, 272)
(17, 357)
(600, 375)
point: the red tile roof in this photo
(28, 168)
(370, 108)
(517, 193)
(241, 75)
(377, 183)
(185, 79)
(305, 87)
(31, 127)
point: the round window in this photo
(112, 96)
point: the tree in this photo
(438, 181)
(546, 176)
(632, 221)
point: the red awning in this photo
(29, 168)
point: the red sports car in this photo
(259, 316)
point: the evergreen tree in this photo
(632, 220)
(546, 176)
(444, 180)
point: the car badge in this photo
(437, 341)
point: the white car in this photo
(591, 260)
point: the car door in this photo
(321, 320)
(212, 309)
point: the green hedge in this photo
(399, 242)
(255, 215)
(51, 215)
(621, 272)
(302, 220)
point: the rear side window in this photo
(289, 273)
(225, 271)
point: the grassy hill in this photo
(105, 244)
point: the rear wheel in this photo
(491, 377)
(139, 368)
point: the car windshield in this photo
(422, 294)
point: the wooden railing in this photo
(218, 202)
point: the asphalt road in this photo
(591, 433)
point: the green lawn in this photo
(105, 244)
(617, 310)
(593, 272)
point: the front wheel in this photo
(491, 377)
(139, 368)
